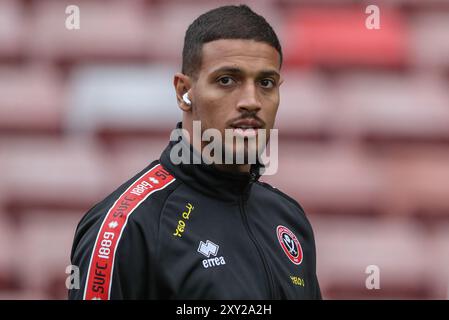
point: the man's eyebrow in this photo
(235, 70)
(269, 73)
(227, 70)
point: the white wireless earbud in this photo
(186, 99)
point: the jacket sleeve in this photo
(112, 242)
(110, 274)
(131, 270)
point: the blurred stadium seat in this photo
(11, 29)
(305, 110)
(174, 17)
(338, 37)
(430, 40)
(439, 245)
(334, 179)
(128, 156)
(31, 100)
(8, 240)
(398, 247)
(45, 240)
(419, 183)
(22, 294)
(120, 99)
(52, 173)
(390, 106)
(115, 30)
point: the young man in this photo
(206, 230)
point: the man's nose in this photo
(249, 99)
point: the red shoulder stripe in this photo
(101, 265)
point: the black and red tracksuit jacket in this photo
(191, 231)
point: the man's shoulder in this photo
(279, 195)
(142, 195)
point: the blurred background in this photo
(364, 131)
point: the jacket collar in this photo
(207, 178)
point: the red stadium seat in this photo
(115, 29)
(430, 40)
(419, 182)
(31, 100)
(8, 242)
(439, 243)
(131, 155)
(337, 179)
(389, 106)
(122, 99)
(12, 28)
(338, 37)
(45, 239)
(53, 173)
(305, 110)
(346, 247)
(23, 294)
(69, 173)
(175, 17)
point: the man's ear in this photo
(182, 84)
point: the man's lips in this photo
(247, 124)
(246, 127)
(245, 132)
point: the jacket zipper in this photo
(258, 248)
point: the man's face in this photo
(237, 88)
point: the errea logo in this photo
(207, 249)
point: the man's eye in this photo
(267, 83)
(226, 81)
